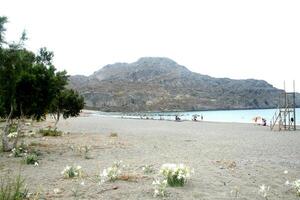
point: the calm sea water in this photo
(243, 116)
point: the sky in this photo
(222, 38)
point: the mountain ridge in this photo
(160, 84)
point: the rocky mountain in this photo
(160, 84)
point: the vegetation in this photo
(12, 189)
(50, 132)
(30, 87)
(31, 159)
(68, 104)
(72, 171)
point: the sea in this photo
(239, 116)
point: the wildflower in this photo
(36, 164)
(112, 173)
(176, 175)
(263, 190)
(82, 183)
(296, 185)
(12, 135)
(71, 172)
(285, 172)
(159, 188)
(147, 169)
(56, 190)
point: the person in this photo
(177, 118)
(264, 122)
(201, 117)
(194, 118)
(292, 119)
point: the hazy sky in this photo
(221, 38)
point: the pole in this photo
(294, 98)
(285, 107)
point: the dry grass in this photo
(113, 134)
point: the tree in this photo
(3, 21)
(68, 104)
(29, 85)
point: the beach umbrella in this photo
(257, 119)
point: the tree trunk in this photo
(57, 119)
(19, 129)
(6, 146)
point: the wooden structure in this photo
(285, 117)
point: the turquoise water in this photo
(242, 116)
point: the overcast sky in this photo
(221, 38)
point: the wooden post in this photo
(294, 98)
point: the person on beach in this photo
(264, 122)
(194, 118)
(201, 117)
(177, 118)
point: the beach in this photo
(230, 160)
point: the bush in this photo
(72, 172)
(176, 175)
(31, 159)
(50, 132)
(19, 152)
(113, 135)
(12, 189)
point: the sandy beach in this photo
(230, 160)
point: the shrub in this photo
(176, 175)
(19, 152)
(113, 135)
(49, 132)
(147, 169)
(72, 172)
(159, 188)
(12, 189)
(112, 173)
(82, 150)
(31, 159)
(296, 185)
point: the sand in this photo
(226, 157)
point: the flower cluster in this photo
(147, 169)
(112, 173)
(19, 152)
(12, 135)
(176, 175)
(31, 159)
(263, 190)
(71, 172)
(159, 188)
(296, 185)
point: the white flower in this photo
(70, 171)
(287, 182)
(263, 190)
(82, 183)
(285, 172)
(159, 188)
(296, 185)
(178, 173)
(111, 173)
(12, 135)
(56, 190)
(36, 164)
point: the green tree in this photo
(29, 85)
(3, 21)
(68, 104)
